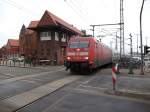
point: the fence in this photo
(12, 63)
(26, 63)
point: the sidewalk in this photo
(124, 72)
(131, 85)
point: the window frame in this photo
(56, 36)
(45, 35)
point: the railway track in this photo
(24, 90)
(59, 90)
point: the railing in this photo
(14, 63)
(26, 63)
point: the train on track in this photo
(86, 54)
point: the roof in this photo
(62, 22)
(3, 47)
(50, 19)
(13, 42)
(28, 32)
(33, 24)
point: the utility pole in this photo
(116, 47)
(130, 67)
(116, 42)
(93, 29)
(93, 26)
(137, 45)
(121, 29)
(141, 41)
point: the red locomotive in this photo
(86, 53)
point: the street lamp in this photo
(142, 63)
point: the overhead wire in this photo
(77, 12)
(19, 7)
(84, 13)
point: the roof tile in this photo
(65, 24)
(51, 19)
(33, 24)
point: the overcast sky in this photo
(80, 13)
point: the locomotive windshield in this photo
(78, 44)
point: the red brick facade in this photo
(28, 42)
(49, 38)
(12, 48)
(3, 52)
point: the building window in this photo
(63, 39)
(56, 36)
(45, 36)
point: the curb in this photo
(132, 94)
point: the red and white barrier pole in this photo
(114, 77)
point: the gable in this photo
(13, 43)
(8, 45)
(47, 20)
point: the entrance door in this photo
(62, 54)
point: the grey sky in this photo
(80, 13)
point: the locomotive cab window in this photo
(83, 44)
(73, 45)
(79, 44)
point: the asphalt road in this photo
(56, 90)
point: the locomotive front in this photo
(77, 57)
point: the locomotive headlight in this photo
(68, 58)
(86, 58)
(78, 49)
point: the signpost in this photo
(114, 77)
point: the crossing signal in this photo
(146, 49)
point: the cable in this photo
(79, 8)
(81, 17)
(14, 4)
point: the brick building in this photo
(3, 52)
(28, 41)
(51, 35)
(12, 48)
